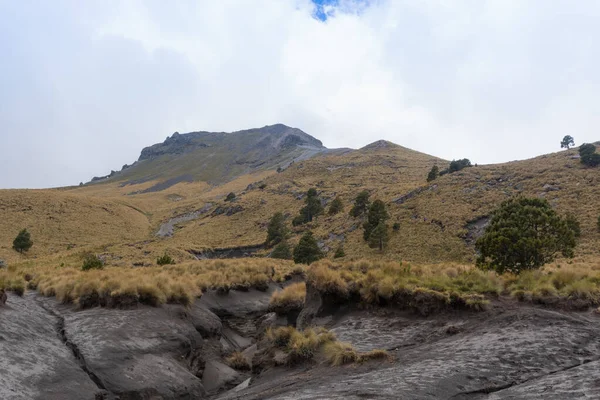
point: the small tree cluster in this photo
(524, 234)
(311, 210)
(307, 251)
(282, 251)
(276, 231)
(456, 165)
(589, 157)
(361, 204)
(22, 242)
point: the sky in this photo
(85, 85)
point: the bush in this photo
(91, 261)
(282, 251)
(336, 206)
(288, 299)
(22, 242)
(307, 250)
(457, 165)
(276, 231)
(361, 204)
(573, 224)
(238, 361)
(589, 157)
(524, 234)
(433, 173)
(165, 259)
(339, 253)
(230, 197)
(396, 227)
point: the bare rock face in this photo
(219, 376)
(34, 361)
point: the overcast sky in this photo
(85, 85)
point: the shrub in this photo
(307, 250)
(573, 224)
(567, 142)
(433, 173)
(22, 242)
(165, 259)
(336, 206)
(276, 231)
(524, 234)
(457, 165)
(339, 253)
(230, 197)
(589, 157)
(377, 214)
(396, 227)
(282, 251)
(361, 204)
(91, 261)
(238, 361)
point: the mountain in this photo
(217, 157)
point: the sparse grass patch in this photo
(238, 361)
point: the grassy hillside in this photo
(120, 222)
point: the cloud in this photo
(86, 86)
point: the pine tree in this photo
(433, 173)
(377, 214)
(311, 210)
(22, 242)
(276, 231)
(361, 204)
(524, 233)
(336, 206)
(307, 251)
(379, 236)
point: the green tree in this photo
(336, 206)
(311, 210)
(282, 251)
(377, 214)
(307, 251)
(23, 242)
(230, 197)
(589, 157)
(567, 142)
(276, 231)
(433, 173)
(361, 204)
(379, 236)
(524, 233)
(573, 224)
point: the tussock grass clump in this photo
(318, 343)
(288, 299)
(238, 361)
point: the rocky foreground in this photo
(511, 351)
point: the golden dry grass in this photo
(288, 299)
(181, 283)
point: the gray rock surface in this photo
(34, 362)
(518, 353)
(205, 321)
(238, 303)
(219, 376)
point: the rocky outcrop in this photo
(218, 376)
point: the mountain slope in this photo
(217, 158)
